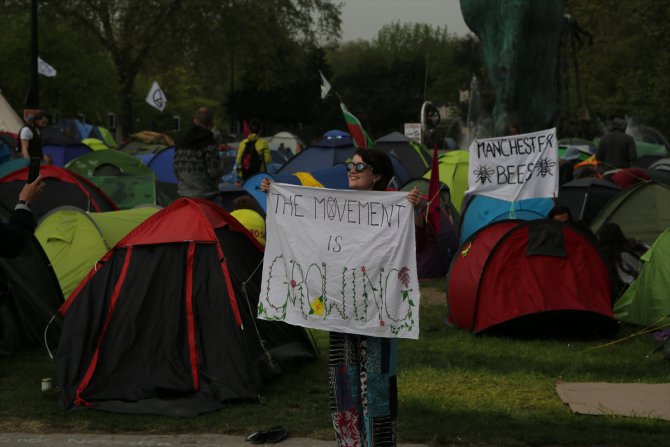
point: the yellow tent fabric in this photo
(307, 179)
(454, 173)
(253, 222)
(95, 144)
(74, 240)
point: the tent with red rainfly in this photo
(538, 277)
(165, 322)
(63, 188)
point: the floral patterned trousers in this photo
(363, 389)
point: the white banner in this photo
(515, 167)
(156, 98)
(341, 261)
(45, 69)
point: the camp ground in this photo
(123, 177)
(529, 278)
(30, 297)
(63, 188)
(199, 267)
(75, 240)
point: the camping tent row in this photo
(165, 321)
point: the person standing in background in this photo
(251, 162)
(197, 164)
(30, 138)
(617, 149)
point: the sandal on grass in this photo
(272, 436)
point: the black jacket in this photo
(16, 233)
(617, 149)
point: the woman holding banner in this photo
(362, 369)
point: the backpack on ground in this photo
(251, 160)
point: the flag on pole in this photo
(358, 134)
(325, 86)
(45, 69)
(156, 98)
(433, 214)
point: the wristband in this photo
(22, 205)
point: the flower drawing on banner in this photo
(543, 167)
(381, 323)
(317, 306)
(363, 268)
(483, 174)
(403, 276)
(293, 283)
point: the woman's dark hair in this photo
(381, 165)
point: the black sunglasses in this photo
(360, 166)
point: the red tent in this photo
(166, 322)
(63, 188)
(536, 277)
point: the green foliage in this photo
(625, 70)
(385, 82)
(454, 388)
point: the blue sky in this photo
(362, 19)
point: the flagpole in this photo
(33, 100)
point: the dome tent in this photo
(157, 325)
(538, 277)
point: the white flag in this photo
(325, 86)
(156, 98)
(45, 69)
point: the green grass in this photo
(454, 388)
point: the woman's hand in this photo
(265, 184)
(31, 190)
(414, 197)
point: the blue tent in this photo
(13, 165)
(161, 163)
(323, 154)
(481, 211)
(336, 134)
(334, 177)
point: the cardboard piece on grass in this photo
(648, 400)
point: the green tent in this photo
(123, 177)
(75, 240)
(644, 149)
(454, 173)
(640, 210)
(647, 300)
(107, 162)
